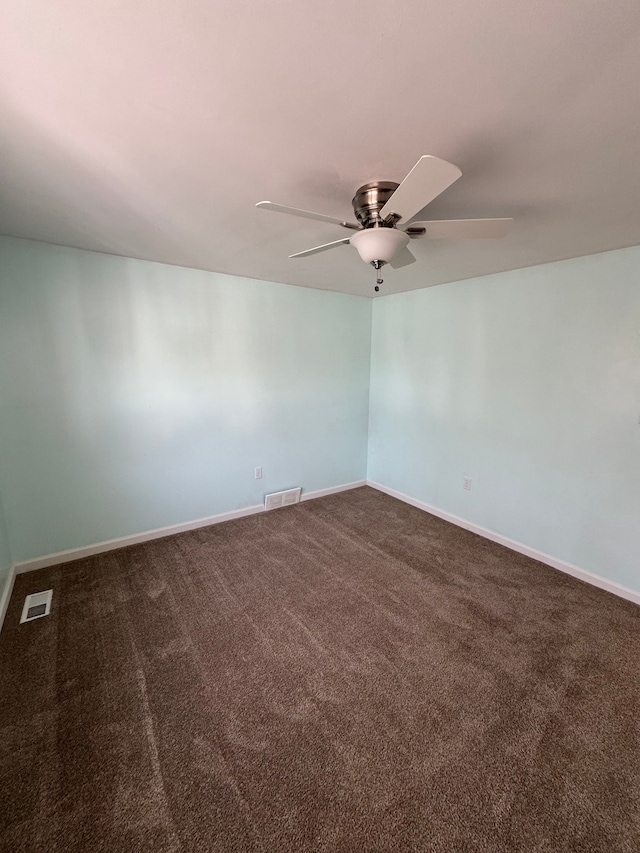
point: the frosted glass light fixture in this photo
(379, 244)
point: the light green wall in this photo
(529, 383)
(135, 395)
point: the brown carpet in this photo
(346, 675)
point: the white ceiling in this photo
(151, 128)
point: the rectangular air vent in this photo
(37, 605)
(278, 499)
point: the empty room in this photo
(319, 426)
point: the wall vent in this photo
(278, 499)
(36, 605)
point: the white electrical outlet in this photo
(258, 473)
(466, 483)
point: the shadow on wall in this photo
(148, 372)
(138, 395)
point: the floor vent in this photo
(278, 499)
(37, 605)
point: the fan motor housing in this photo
(370, 199)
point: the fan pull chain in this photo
(377, 265)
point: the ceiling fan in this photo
(380, 206)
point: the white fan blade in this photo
(465, 228)
(319, 248)
(428, 178)
(306, 214)
(402, 259)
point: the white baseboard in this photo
(135, 539)
(554, 562)
(146, 536)
(5, 594)
(321, 493)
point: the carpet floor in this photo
(348, 675)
